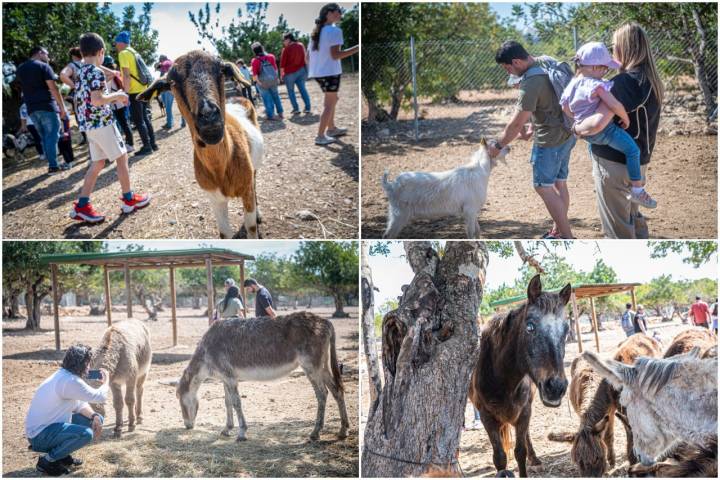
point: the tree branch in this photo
(527, 258)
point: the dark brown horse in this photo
(518, 351)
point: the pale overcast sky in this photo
(177, 35)
(629, 258)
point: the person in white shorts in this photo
(96, 119)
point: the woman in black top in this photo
(639, 89)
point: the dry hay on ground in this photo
(475, 449)
(280, 414)
(296, 175)
(683, 172)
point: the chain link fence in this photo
(415, 80)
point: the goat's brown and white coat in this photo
(228, 144)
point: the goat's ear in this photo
(600, 426)
(230, 70)
(534, 289)
(483, 142)
(565, 294)
(157, 87)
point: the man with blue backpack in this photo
(542, 81)
(136, 77)
(626, 321)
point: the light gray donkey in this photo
(668, 400)
(125, 353)
(260, 349)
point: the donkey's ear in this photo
(534, 289)
(157, 87)
(565, 294)
(615, 372)
(230, 70)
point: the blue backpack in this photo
(268, 77)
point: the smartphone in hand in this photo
(94, 375)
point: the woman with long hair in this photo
(324, 61)
(639, 89)
(231, 305)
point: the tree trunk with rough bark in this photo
(368, 327)
(339, 304)
(430, 346)
(698, 55)
(34, 294)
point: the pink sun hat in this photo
(595, 53)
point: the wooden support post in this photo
(634, 301)
(128, 291)
(242, 287)
(108, 303)
(210, 296)
(595, 324)
(173, 305)
(56, 305)
(577, 321)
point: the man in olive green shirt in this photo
(552, 142)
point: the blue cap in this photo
(123, 37)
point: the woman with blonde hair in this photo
(639, 89)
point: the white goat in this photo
(460, 191)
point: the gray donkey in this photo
(261, 349)
(125, 353)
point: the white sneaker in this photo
(643, 199)
(324, 140)
(336, 132)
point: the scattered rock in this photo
(173, 222)
(305, 215)
(194, 204)
(347, 201)
(384, 133)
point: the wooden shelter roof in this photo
(187, 258)
(588, 290)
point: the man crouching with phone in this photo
(60, 420)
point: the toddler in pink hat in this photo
(582, 98)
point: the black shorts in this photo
(329, 84)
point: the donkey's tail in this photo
(337, 378)
(561, 436)
(505, 437)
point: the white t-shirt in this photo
(57, 398)
(24, 115)
(321, 62)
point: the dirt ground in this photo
(475, 449)
(683, 172)
(280, 414)
(296, 175)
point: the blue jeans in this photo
(167, 99)
(297, 78)
(271, 100)
(551, 164)
(477, 413)
(615, 137)
(48, 126)
(59, 440)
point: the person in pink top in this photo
(700, 313)
(265, 72)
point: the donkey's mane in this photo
(656, 373)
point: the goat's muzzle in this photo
(210, 123)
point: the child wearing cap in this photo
(96, 118)
(582, 98)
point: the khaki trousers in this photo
(619, 217)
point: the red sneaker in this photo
(86, 214)
(137, 202)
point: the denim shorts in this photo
(551, 164)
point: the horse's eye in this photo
(530, 327)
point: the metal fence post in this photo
(575, 40)
(414, 82)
